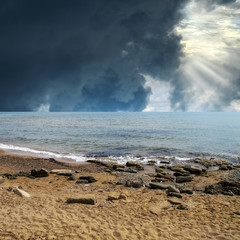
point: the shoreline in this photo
(120, 212)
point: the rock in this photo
(82, 181)
(40, 173)
(151, 162)
(20, 192)
(182, 179)
(90, 179)
(182, 207)
(159, 170)
(211, 162)
(187, 190)
(118, 166)
(1, 179)
(193, 169)
(135, 164)
(185, 173)
(224, 187)
(223, 167)
(23, 174)
(130, 170)
(174, 194)
(174, 201)
(136, 183)
(120, 169)
(234, 176)
(83, 199)
(72, 178)
(172, 188)
(10, 176)
(159, 185)
(237, 212)
(165, 162)
(113, 196)
(116, 196)
(177, 169)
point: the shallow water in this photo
(121, 136)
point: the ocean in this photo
(121, 136)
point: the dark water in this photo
(121, 136)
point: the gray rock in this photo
(182, 179)
(174, 201)
(82, 181)
(173, 189)
(187, 190)
(135, 164)
(137, 183)
(118, 166)
(182, 207)
(193, 169)
(174, 194)
(72, 177)
(154, 185)
(90, 179)
(40, 173)
(83, 199)
(223, 167)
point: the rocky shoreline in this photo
(166, 187)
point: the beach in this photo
(117, 211)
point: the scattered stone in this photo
(234, 176)
(172, 188)
(193, 169)
(40, 173)
(90, 179)
(177, 169)
(1, 179)
(120, 169)
(136, 183)
(154, 185)
(20, 192)
(223, 167)
(83, 199)
(23, 174)
(175, 201)
(187, 190)
(72, 178)
(174, 194)
(10, 176)
(159, 170)
(237, 212)
(151, 162)
(82, 181)
(107, 170)
(211, 162)
(118, 166)
(130, 170)
(181, 179)
(224, 187)
(165, 162)
(113, 196)
(135, 164)
(182, 207)
(185, 173)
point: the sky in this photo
(111, 55)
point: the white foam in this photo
(39, 153)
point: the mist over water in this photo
(121, 136)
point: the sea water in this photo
(121, 136)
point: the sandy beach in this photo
(118, 212)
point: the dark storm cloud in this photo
(85, 55)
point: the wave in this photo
(44, 154)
